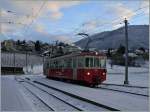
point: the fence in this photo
(20, 59)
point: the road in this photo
(12, 98)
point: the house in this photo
(9, 45)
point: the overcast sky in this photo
(62, 20)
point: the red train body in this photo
(86, 67)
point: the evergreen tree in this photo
(18, 42)
(24, 42)
(142, 49)
(109, 52)
(121, 49)
(37, 46)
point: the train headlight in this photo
(104, 73)
(88, 73)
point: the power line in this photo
(28, 26)
(119, 20)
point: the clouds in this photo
(40, 28)
(91, 25)
(145, 5)
(55, 8)
(122, 11)
(53, 20)
(27, 11)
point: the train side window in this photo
(47, 66)
(74, 63)
(60, 64)
(96, 62)
(91, 62)
(100, 62)
(68, 63)
(80, 62)
(87, 60)
(53, 64)
(63, 63)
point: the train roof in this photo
(92, 53)
(80, 54)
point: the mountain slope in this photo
(138, 36)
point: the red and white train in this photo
(86, 67)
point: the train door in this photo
(74, 67)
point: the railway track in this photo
(49, 107)
(124, 85)
(118, 90)
(63, 103)
(81, 100)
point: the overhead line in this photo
(27, 28)
(119, 20)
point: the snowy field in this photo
(138, 76)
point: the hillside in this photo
(138, 37)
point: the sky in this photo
(48, 20)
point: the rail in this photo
(80, 98)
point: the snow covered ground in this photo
(121, 101)
(138, 76)
(116, 69)
(35, 69)
(12, 98)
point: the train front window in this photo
(89, 62)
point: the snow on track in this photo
(113, 99)
(82, 105)
(54, 103)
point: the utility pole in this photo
(14, 63)
(26, 63)
(0, 22)
(126, 52)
